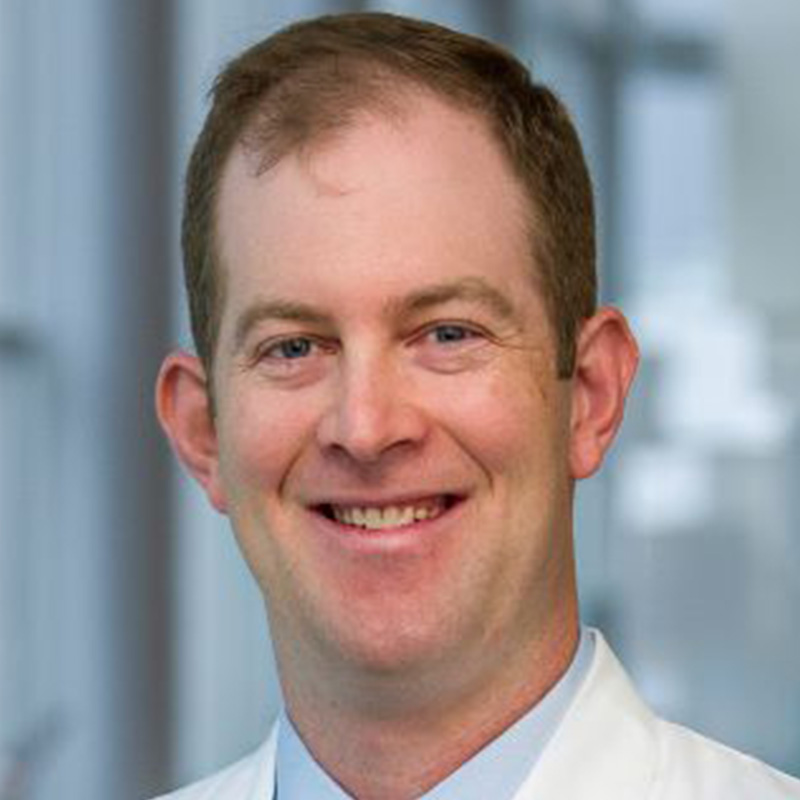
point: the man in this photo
(401, 373)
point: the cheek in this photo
(261, 439)
(511, 422)
(261, 436)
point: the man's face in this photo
(392, 438)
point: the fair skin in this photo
(383, 345)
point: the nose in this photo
(372, 411)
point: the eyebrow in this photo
(277, 309)
(471, 290)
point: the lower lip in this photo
(387, 540)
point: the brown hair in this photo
(310, 78)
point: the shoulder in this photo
(676, 762)
(627, 752)
(692, 765)
(251, 777)
(230, 782)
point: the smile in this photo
(388, 516)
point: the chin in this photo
(391, 655)
(402, 646)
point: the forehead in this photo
(425, 189)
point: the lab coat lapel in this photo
(606, 744)
(262, 785)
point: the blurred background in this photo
(133, 655)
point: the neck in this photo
(388, 737)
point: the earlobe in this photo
(607, 357)
(184, 410)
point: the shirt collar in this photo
(496, 771)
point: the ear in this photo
(184, 410)
(606, 361)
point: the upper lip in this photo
(383, 501)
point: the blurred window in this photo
(28, 548)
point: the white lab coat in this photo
(609, 745)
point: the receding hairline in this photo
(382, 92)
(296, 86)
(400, 95)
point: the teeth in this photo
(375, 518)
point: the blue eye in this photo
(449, 334)
(290, 349)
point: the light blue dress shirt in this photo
(497, 771)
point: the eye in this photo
(289, 349)
(291, 360)
(283, 351)
(451, 333)
(450, 346)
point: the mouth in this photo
(388, 516)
